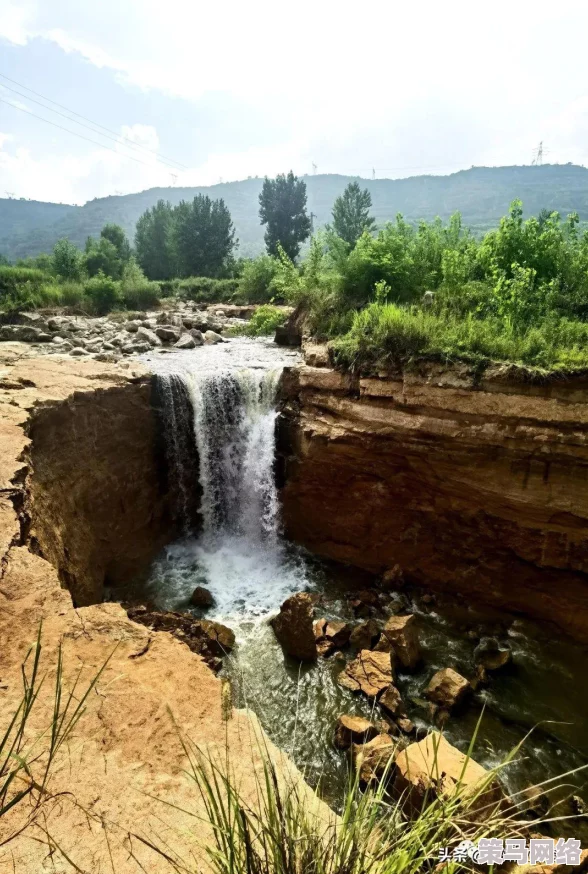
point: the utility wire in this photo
(117, 137)
(81, 136)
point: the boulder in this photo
(167, 334)
(364, 601)
(490, 655)
(211, 337)
(330, 635)
(373, 759)
(365, 635)
(148, 336)
(290, 333)
(78, 350)
(402, 633)
(186, 342)
(406, 725)
(197, 336)
(434, 768)
(293, 626)
(353, 730)
(370, 673)
(20, 333)
(391, 701)
(447, 688)
(201, 597)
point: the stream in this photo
(223, 399)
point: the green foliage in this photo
(282, 207)
(203, 237)
(108, 254)
(256, 283)
(67, 262)
(103, 293)
(137, 292)
(351, 214)
(154, 241)
(201, 289)
(264, 321)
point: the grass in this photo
(387, 334)
(27, 757)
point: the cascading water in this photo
(218, 409)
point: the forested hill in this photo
(481, 194)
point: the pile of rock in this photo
(185, 326)
(211, 640)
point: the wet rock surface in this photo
(353, 730)
(370, 673)
(294, 627)
(447, 688)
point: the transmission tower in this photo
(174, 178)
(538, 155)
(314, 168)
(312, 218)
(373, 173)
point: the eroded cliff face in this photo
(477, 485)
(96, 487)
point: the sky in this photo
(192, 93)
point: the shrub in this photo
(264, 321)
(137, 291)
(257, 280)
(103, 293)
(202, 289)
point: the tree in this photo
(282, 207)
(68, 261)
(109, 253)
(351, 216)
(203, 237)
(118, 238)
(154, 241)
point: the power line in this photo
(73, 133)
(118, 137)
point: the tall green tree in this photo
(154, 241)
(68, 261)
(109, 253)
(351, 214)
(203, 237)
(282, 207)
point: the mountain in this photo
(481, 194)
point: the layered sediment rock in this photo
(476, 483)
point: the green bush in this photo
(264, 321)
(103, 293)
(137, 292)
(257, 280)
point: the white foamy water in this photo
(239, 555)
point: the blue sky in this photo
(232, 90)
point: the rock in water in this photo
(392, 579)
(353, 730)
(167, 333)
(186, 342)
(365, 635)
(372, 759)
(201, 597)
(434, 768)
(370, 673)
(391, 701)
(330, 635)
(148, 336)
(293, 626)
(489, 655)
(447, 688)
(402, 633)
(211, 337)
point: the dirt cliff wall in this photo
(474, 484)
(96, 486)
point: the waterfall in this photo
(234, 426)
(238, 553)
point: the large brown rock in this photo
(353, 730)
(391, 701)
(433, 767)
(402, 633)
(373, 759)
(211, 640)
(447, 688)
(365, 635)
(293, 626)
(370, 673)
(330, 635)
